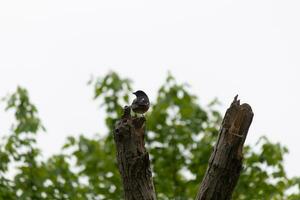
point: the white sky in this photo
(221, 48)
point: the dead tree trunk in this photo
(225, 163)
(133, 159)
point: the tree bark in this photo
(132, 157)
(225, 163)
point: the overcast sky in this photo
(221, 48)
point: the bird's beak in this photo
(134, 93)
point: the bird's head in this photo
(139, 93)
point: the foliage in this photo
(180, 137)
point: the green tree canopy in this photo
(180, 131)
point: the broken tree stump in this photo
(132, 157)
(225, 163)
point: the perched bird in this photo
(141, 103)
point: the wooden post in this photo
(225, 163)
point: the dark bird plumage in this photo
(141, 103)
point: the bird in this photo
(141, 103)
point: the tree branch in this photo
(225, 163)
(132, 157)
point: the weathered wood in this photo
(225, 163)
(132, 157)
